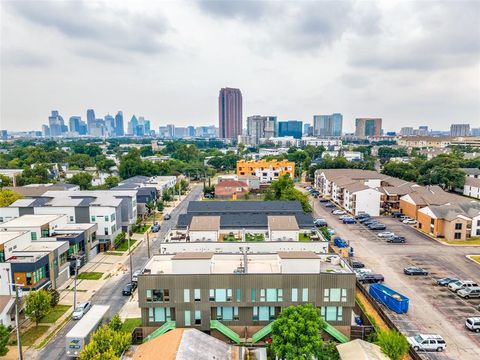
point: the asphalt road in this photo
(111, 292)
(433, 309)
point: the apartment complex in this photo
(235, 296)
(460, 130)
(368, 127)
(266, 171)
(259, 127)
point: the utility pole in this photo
(148, 244)
(75, 285)
(130, 256)
(17, 323)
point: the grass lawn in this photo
(55, 314)
(475, 258)
(116, 253)
(254, 237)
(130, 324)
(124, 245)
(472, 241)
(304, 237)
(31, 335)
(140, 229)
(90, 275)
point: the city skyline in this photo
(164, 59)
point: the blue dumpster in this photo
(390, 298)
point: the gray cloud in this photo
(439, 34)
(106, 27)
(23, 58)
(237, 9)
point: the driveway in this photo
(432, 309)
(111, 292)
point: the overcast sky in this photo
(411, 63)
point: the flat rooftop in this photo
(10, 235)
(30, 221)
(43, 246)
(301, 262)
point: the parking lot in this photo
(433, 309)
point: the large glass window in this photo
(254, 295)
(227, 313)
(159, 314)
(186, 295)
(158, 295)
(187, 318)
(271, 294)
(335, 295)
(332, 313)
(220, 295)
(238, 295)
(294, 295)
(264, 313)
(304, 294)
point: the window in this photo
(187, 318)
(304, 294)
(71, 218)
(112, 217)
(458, 236)
(106, 231)
(33, 235)
(238, 296)
(113, 229)
(28, 276)
(106, 218)
(186, 295)
(294, 295)
(335, 295)
(196, 295)
(332, 313)
(158, 295)
(271, 294)
(92, 218)
(220, 295)
(432, 222)
(263, 313)
(44, 233)
(458, 226)
(227, 313)
(198, 317)
(254, 295)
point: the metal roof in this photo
(244, 207)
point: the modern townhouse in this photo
(234, 226)
(266, 171)
(237, 296)
(472, 187)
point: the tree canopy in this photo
(37, 305)
(8, 197)
(284, 189)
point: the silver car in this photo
(81, 310)
(469, 292)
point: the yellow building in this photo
(266, 171)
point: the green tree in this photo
(37, 305)
(4, 334)
(55, 297)
(167, 196)
(8, 197)
(393, 344)
(160, 206)
(80, 161)
(5, 180)
(115, 323)
(284, 189)
(106, 341)
(111, 181)
(104, 164)
(146, 151)
(83, 179)
(296, 333)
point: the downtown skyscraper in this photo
(230, 105)
(328, 125)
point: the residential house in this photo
(231, 189)
(472, 187)
(252, 181)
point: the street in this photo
(111, 292)
(433, 309)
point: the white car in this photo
(461, 284)
(409, 221)
(81, 310)
(338, 212)
(385, 234)
(344, 216)
(426, 342)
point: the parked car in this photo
(377, 226)
(338, 212)
(469, 292)
(461, 284)
(403, 217)
(357, 264)
(397, 215)
(209, 196)
(385, 234)
(396, 239)
(445, 281)
(155, 228)
(330, 205)
(368, 221)
(81, 310)
(320, 222)
(167, 217)
(409, 221)
(341, 217)
(362, 216)
(415, 270)
(129, 289)
(369, 278)
(426, 342)
(349, 220)
(135, 275)
(473, 324)
(323, 200)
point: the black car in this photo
(129, 289)
(357, 264)
(369, 278)
(396, 239)
(323, 200)
(167, 217)
(445, 281)
(330, 205)
(415, 270)
(368, 221)
(362, 216)
(397, 215)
